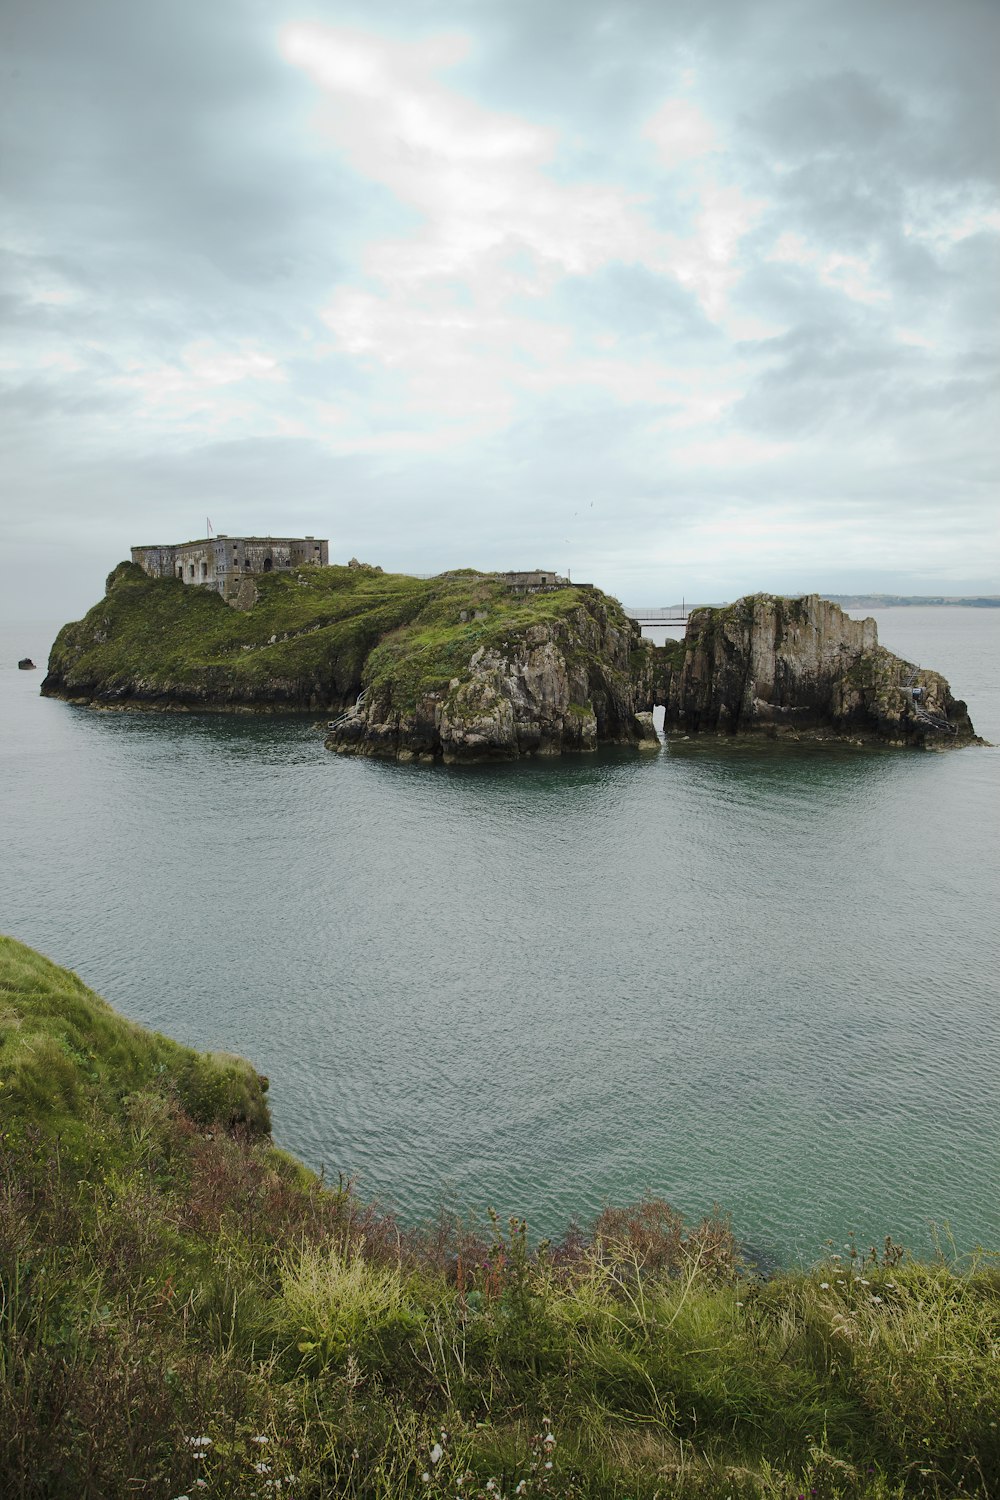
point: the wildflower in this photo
(862, 1281)
(824, 1286)
(426, 1477)
(198, 1443)
(519, 1490)
(876, 1299)
(260, 1438)
(491, 1484)
(548, 1463)
(262, 1468)
(549, 1439)
(437, 1453)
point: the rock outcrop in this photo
(455, 667)
(542, 687)
(801, 667)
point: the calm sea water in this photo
(760, 977)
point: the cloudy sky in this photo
(690, 297)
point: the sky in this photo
(687, 298)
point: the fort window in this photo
(190, 570)
(267, 565)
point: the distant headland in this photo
(468, 665)
(893, 601)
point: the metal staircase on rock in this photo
(921, 714)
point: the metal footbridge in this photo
(658, 617)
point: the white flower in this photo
(262, 1468)
(198, 1442)
(549, 1438)
(548, 1463)
(862, 1281)
(876, 1299)
(426, 1477)
(824, 1286)
(437, 1453)
(260, 1438)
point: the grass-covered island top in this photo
(465, 667)
(186, 1310)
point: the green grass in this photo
(313, 638)
(67, 1060)
(181, 1302)
(303, 644)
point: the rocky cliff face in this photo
(454, 667)
(558, 684)
(802, 667)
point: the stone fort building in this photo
(222, 562)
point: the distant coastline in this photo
(891, 601)
(877, 601)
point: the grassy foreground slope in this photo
(184, 1310)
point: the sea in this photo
(758, 978)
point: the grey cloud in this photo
(160, 163)
(846, 112)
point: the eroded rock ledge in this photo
(530, 687)
(803, 668)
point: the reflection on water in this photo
(760, 976)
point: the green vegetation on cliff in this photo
(312, 639)
(185, 1310)
(303, 643)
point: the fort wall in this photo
(222, 562)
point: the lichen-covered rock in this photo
(802, 667)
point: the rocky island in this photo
(465, 667)
(459, 666)
(803, 668)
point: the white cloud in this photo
(447, 308)
(680, 132)
(854, 275)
